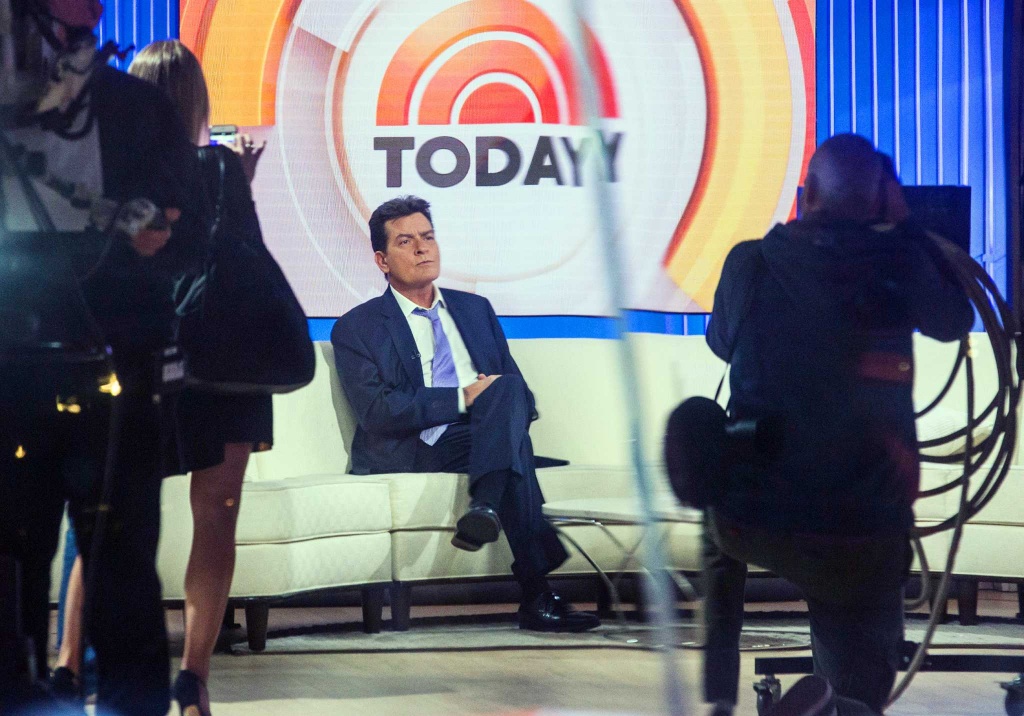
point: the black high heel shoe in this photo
(190, 693)
(66, 689)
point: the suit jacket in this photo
(380, 371)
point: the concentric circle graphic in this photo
(706, 126)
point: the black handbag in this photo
(241, 327)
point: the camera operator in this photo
(107, 137)
(818, 319)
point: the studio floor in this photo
(317, 662)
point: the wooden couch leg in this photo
(373, 609)
(227, 628)
(967, 601)
(401, 604)
(257, 615)
(604, 599)
(1020, 601)
(640, 596)
(229, 618)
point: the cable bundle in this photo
(1001, 330)
(994, 453)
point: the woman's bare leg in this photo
(70, 654)
(215, 494)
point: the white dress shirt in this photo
(423, 334)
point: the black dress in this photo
(208, 421)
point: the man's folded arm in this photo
(380, 408)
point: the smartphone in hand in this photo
(224, 134)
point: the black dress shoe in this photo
(549, 612)
(479, 526)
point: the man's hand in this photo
(483, 382)
(150, 240)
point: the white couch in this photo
(305, 524)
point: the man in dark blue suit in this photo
(435, 389)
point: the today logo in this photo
(544, 163)
(491, 62)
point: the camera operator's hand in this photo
(151, 239)
(249, 153)
(483, 382)
(896, 209)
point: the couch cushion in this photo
(277, 570)
(941, 422)
(427, 500)
(436, 500)
(1003, 509)
(308, 439)
(312, 507)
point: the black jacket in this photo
(826, 348)
(145, 152)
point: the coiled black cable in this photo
(991, 455)
(994, 453)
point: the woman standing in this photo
(217, 432)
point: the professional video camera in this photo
(46, 329)
(43, 82)
(51, 348)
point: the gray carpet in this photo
(776, 631)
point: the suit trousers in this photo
(494, 447)
(62, 456)
(854, 592)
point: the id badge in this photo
(169, 370)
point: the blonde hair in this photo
(173, 68)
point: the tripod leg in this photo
(16, 668)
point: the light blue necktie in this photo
(442, 368)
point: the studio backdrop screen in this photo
(707, 114)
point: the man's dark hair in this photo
(397, 208)
(845, 175)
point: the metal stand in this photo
(769, 689)
(17, 661)
(629, 556)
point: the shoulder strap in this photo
(190, 290)
(755, 281)
(211, 155)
